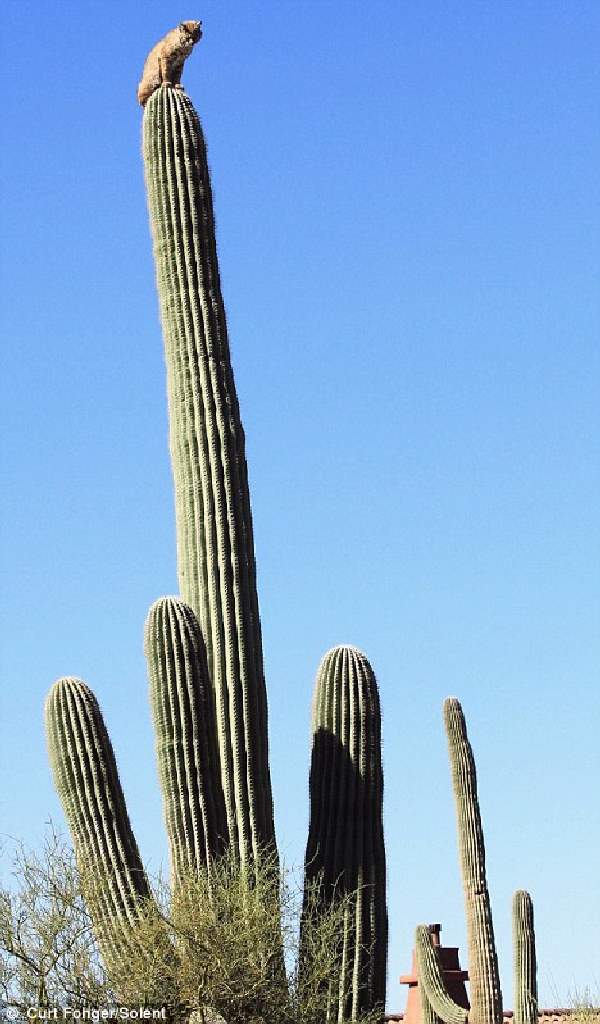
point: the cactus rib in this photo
(216, 565)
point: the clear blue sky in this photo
(407, 210)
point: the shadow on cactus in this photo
(334, 876)
(345, 853)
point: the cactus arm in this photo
(345, 853)
(485, 994)
(434, 993)
(525, 966)
(215, 547)
(186, 745)
(86, 778)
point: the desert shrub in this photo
(211, 949)
(48, 953)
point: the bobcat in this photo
(164, 63)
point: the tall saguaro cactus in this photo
(215, 550)
(207, 688)
(345, 852)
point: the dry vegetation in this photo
(212, 949)
(586, 1008)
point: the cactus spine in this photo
(85, 775)
(345, 852)
(186, 745)
(525, 966)
(217, 574)
(484, 988)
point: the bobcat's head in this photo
(191, 31)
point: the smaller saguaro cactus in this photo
(436, 1003)
(345, 855)
(525, 966)
(86, 778)
(485, 994)
(484, 977)
(186, 736)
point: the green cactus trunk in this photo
(217, 574)
(484, 988)
(186, 743)
(525, 965)
(345, 853)
(86, 779)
